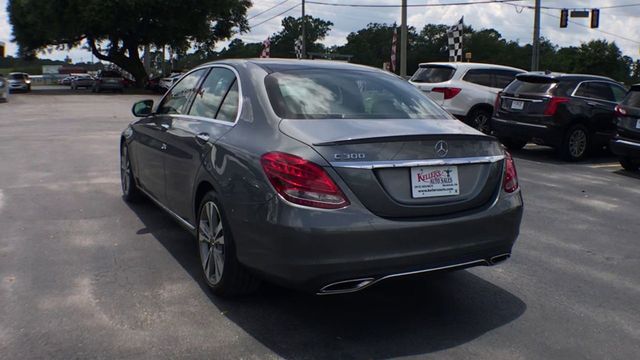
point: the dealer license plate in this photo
(432, 181)
(517, 105)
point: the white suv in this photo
(467, 90)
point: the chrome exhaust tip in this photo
(346, 286)
(499, 258)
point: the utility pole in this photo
(403, 40)
(535, 56)
(304, 34)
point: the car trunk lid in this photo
(392, 166)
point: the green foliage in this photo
(115, 30)
(282, 42)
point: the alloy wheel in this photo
(125, 171)
(481, 122)
(577, 143)
(211, 242)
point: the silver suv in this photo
(466, 90)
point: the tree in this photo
(116, 30)
(239, 49)
(371, 45)
(282, 43)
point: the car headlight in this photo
(27, 82)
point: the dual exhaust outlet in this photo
(353, 285)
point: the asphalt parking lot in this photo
(84, 275)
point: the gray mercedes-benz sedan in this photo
(318, 175)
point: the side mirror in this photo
(142, 108)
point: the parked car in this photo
(65, 80)
(319, 175)
(82, 81)
(153, 84)
(166, 82)
(467, 90)
(572, 113)
(626, 143)
(108, 80)
(19, 81)
(4, 89)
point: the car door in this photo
(152, 137)
(212, 113)
(599, 101)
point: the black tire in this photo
(130, 190)
(575, 144)
(480, 119)
(630, 164)
(513, 144)
(232, 278)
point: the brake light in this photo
(510, 182)
(302, 182)
(552, 106)
(620, 111)
(448, 92)
(496, 104)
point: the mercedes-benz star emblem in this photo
(442, 148)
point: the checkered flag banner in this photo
(454, 35)
(298, 47)
(266, 49)
(394, 45)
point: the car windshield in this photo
(17, 76)
(347, 94)
(433, 74)
(632, 99)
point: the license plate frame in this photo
(517, 105)
(434, 181)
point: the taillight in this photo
(496, 104)
(620, 111)
(510, 182)
(302, 182)
(448, 92)
(552, 106)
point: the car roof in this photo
(565, 76)
(470, 65)
(278, 64)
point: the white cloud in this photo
(513, 25)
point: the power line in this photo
(575, 8)
(415, 5)
(264, 11)
(275, 16)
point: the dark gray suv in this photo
(319, 175)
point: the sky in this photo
(621, 25)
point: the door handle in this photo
(163, 146)
(202, 138)
(591, 103)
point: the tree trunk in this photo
(132, 63)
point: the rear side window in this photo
(530, 87)
(433, 74)
(347, 94)
(595, 90)
(176, 100)
(479, 76)
(504, 77)
(618, 92)
(214, 91)
(632, 99)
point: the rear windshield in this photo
(110, 74)
(632, 99)
(433, 74)
(528, 87)
(347, 94)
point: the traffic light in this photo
(595, 18)
(564, 18)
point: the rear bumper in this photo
(541, 133)
(625, 147)
(311, 249)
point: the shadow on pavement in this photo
(409, 316)
(629, 174)
(549, 155)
